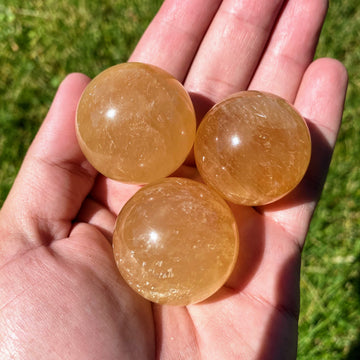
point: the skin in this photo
(61, 295)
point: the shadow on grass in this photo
(354, 353)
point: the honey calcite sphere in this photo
(135, 123)
(253, 148)
(175, 241)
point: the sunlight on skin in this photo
(56, 261)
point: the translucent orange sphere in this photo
(176, 242)
(253, 148)
(135, 123)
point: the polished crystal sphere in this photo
(175, 241)
(135, 123)
(253, 148)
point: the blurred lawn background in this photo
(42, 41)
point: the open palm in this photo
(61, 296)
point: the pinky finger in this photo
(320, 100)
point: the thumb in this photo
(54, 178)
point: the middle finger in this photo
(232, 47)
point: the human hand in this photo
(61, 294)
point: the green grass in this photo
(42, 41)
